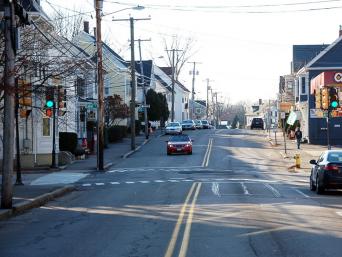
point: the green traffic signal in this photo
(49, 103)
(334, 104)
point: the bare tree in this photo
(186, 45)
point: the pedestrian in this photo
(298, 135)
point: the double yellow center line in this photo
(206, 158)
(186, 236)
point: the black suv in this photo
(257, 123)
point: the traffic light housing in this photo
(61, 97)
(49, 101)
(49, 97)
(325, 98)
(333, 98)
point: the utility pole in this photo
(207, 103)
(9, 89)
(217, 114)
(144, 88)
(100, 88)
(133, 82)
(194, 73)
(18, 163)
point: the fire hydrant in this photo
(297, 160)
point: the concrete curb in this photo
(108, 165)
(36, 202)
(136, 149)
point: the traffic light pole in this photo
(53, 153)
(18, 179)
(328, 132)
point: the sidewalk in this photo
(45, 185)
(307, 151)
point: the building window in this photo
(46, 127)
(106, 90)
(303, 86)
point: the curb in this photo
(107, 166)
(135, 150)
(36, 202)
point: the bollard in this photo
(297, 160)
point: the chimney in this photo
(340, 31)
(260, 101)
(86, 27)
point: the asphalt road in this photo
(232, 197)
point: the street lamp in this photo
(136, 8)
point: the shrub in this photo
(116, 133)
(67, 141)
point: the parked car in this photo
(198, 124)
(257, 123)
(173, 128)
(205, 124)
(188, 124)
(326, 172)
(179, 144)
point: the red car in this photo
(179, 144)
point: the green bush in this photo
(67, 141)
(116, 133)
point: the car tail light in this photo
(331, 167)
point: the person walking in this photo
(298, 135)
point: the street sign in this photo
(92, 106)
(292, 118)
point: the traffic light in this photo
(325, 98)
(24, 93)
(49, 101)
(333, 97)
(61, 97)
(318, 99)
(49, 97)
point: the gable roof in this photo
(147, 68)
(303, 54)
(168, 71)
(168, 87)
(329, 58)
(117, 57)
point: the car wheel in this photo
(312, 185)
(168, 153)
(190, 152)
(319, 188)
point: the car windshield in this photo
(173, 124)
(187, 121)
(335, 157)
(204, 122)
(180, 138)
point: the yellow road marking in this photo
(175, 232)
(207, 153)
(186, 236)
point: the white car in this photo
(173, 128)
